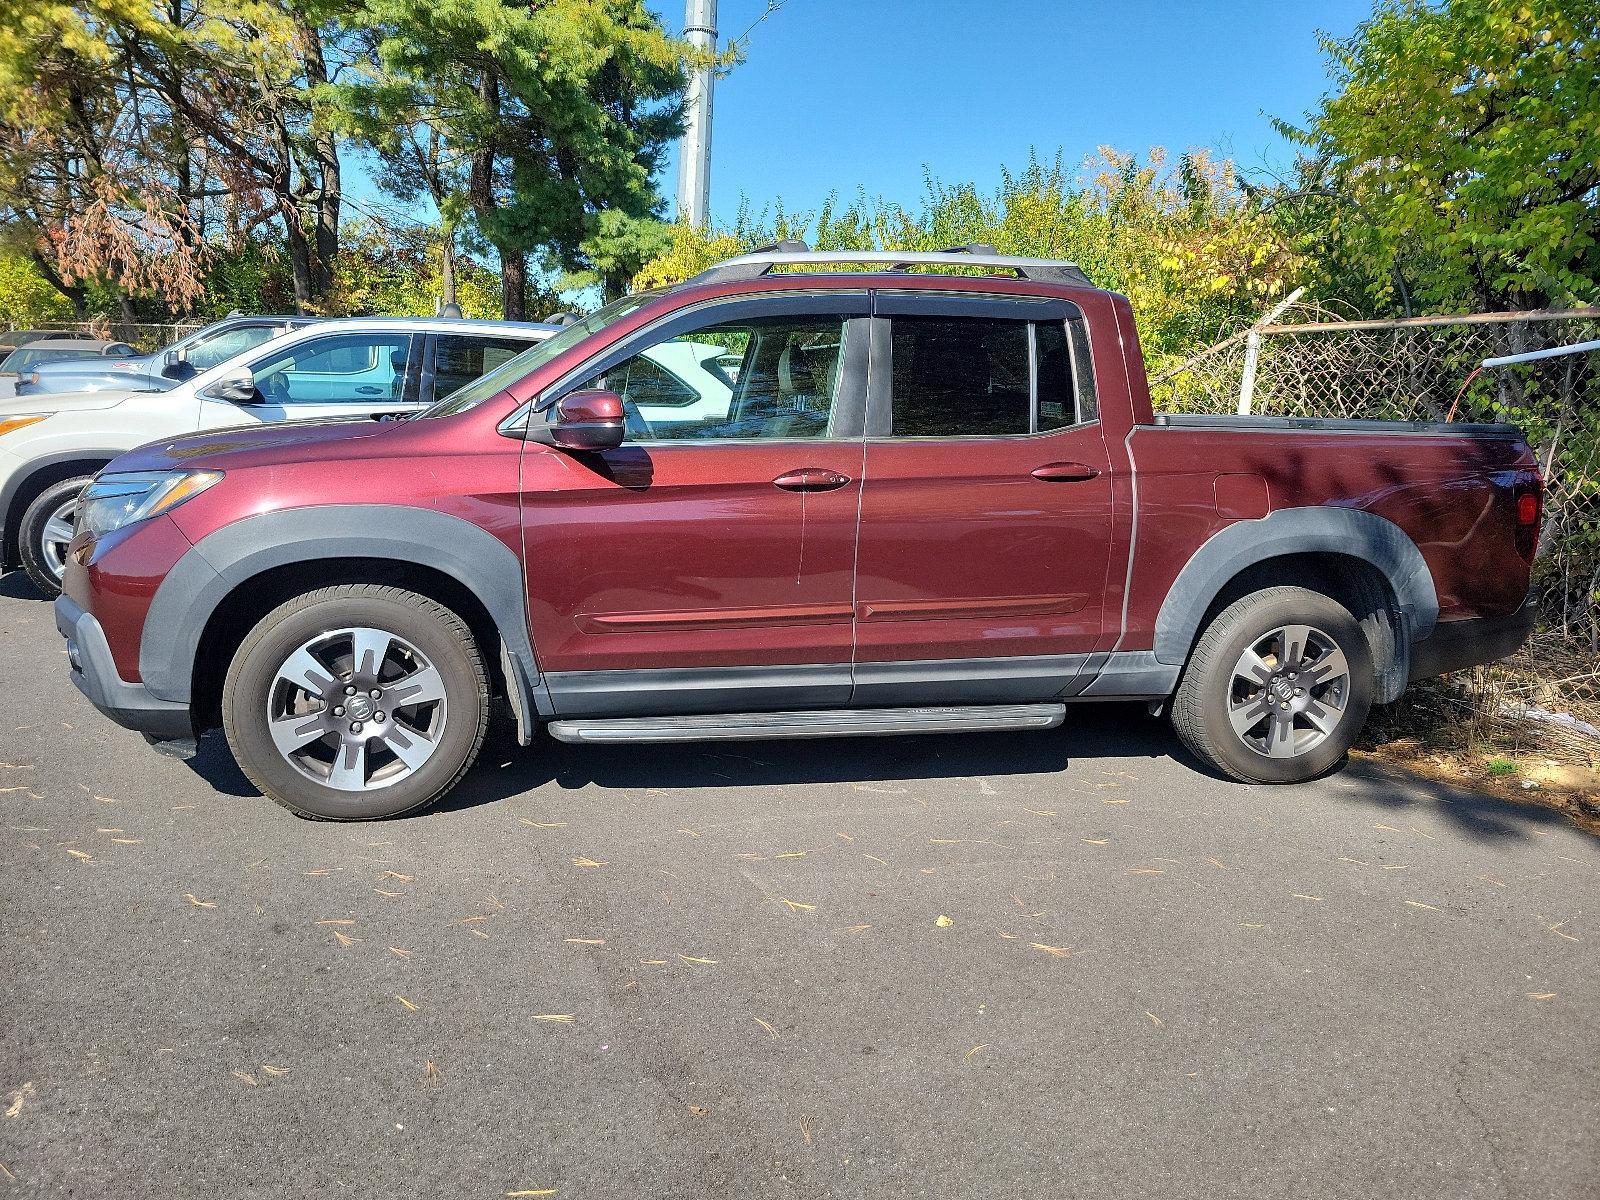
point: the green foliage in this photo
(1500, 767)
(547, 122)
(1192, 251)
(1461, 145)
(26, 297)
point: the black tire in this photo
(441, 637)
(1210, 688)
(31, 529)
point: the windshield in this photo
(534, 357)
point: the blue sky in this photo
(838, 95)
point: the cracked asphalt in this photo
(1064, 964)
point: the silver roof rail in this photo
(794, 254)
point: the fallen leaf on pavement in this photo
(944, 922)
(198, 903)
(410, 1007)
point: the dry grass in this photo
(1470, 727)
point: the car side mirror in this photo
(240, 388)
(589, 420)
(170, 361)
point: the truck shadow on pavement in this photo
(1100, 731)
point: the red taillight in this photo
(1530, 507)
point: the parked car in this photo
(928, 503)
(167, 367)
(51, 446)
(33, 354)
(12, 338)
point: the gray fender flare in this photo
(217, 564)
(1241, 545)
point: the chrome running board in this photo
(844, 722)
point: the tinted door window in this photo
(767, 378)
(960, 377)
(348, 368)
(975, 377)
(459, 359)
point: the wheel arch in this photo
(219, 589)
(1360, 559)
(23, 488)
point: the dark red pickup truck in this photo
(787, 501)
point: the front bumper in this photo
(95, 675)
(1456, 645)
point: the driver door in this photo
(337, 375)
(708, 563)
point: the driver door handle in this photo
(810, 479)
(1065, 472)
(370, 390)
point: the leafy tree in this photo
(1458, 155)
(546, 122)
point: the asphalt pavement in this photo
(1022, 965)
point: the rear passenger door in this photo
(986, 511)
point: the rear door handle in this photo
(368, 389)
(810, 479)
(1065, 472)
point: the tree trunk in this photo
(325, 150)
(514, 283)
(447, 274)
(299, 261)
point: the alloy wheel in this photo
(356, 709)
(1288, 691)
(54, 537)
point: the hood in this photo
(255, 445)
(56, 402)
(133, 364)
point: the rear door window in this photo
(460, 359)
(958, 376)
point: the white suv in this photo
(52, 445)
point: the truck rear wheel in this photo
(1277, 687)
(356, 702)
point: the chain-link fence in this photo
(1430, 368)
(144, 336)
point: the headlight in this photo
(20, 421)
(112, 501)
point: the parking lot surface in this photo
(992, 966)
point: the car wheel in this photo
(46, 529)
(356, 702)
(1277, 688)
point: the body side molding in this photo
(1322, 529)
(219, 563)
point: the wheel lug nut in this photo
(377, 716)
(355, 727)
(375, 693)
(338, 710)
(350, 691)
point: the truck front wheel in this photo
(356, 702)
(1277, 687)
